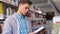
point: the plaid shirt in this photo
(22, 24)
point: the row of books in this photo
(1, 11)
(7, 11)
(13, 2)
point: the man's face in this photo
(23, 8)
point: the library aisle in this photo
(41, 14)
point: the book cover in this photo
(1, 11)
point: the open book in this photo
(39, 29)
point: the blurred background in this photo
(41, 13)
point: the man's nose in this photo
(27, 9)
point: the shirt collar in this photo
(20, 16)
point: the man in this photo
(16, 23)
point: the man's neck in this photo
(19, 13)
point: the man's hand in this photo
(32, 33)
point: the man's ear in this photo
(20, 4)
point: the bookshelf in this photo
(8, 5)
(1, 17)
(38, 20)
(7, 8)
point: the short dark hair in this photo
(24, 1)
